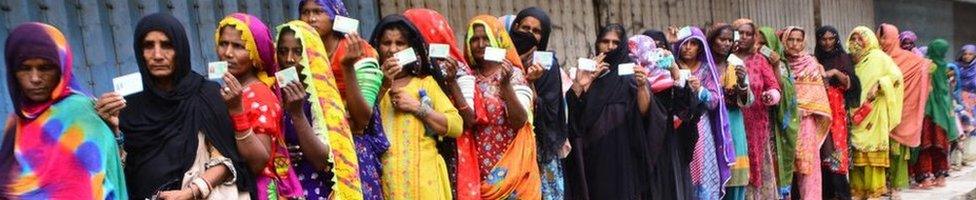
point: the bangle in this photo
(422, 112)
(203, 185)
(249, 133)
(194, 192)
(463, 108)
(241, 123)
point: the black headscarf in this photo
(549, 111)
(423, 66)
(658, 36)
(161, 127)
(838, 59)
(540, 15)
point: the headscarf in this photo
(838, 58)
(161, 126)
(909, 36)
(811, 100)
(423, 66)
(332, 7)
(436, 29)
(85, 162)
(37, 40)
(966, 71)
(772, 41)
(497, 37)
(506, 21)
(874, 67)
(643, 50)
(539, 14)
(914, 69)
(657, 35)
(939, 106)
(326, 109)
(717, 113)
(257, 41)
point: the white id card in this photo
(286, 76)
(405, 57)
(216, 70)
(128, 84)
(625, 69)
(586, 64)
(495, 54)
(345, 25)
(544, 58)
(439, 50)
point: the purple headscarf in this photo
(910, 37)
(332, 7)
(717, 113)
(966, 72)
(642, 50)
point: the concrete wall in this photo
(929, 19)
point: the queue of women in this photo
(730, 111)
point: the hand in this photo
(873, 93)
(108, 107)
(391, 68)
(564, 150)
(535, 71)
(695, 83)
(640, 75)
(176, 194)
(741, 74)
(774, 58)
(232, 93)
(506, 72)
(450, 66)
(832, 73)
(403, 101)
(767, 97)
(354, 49)
(672, 34)
(293, 96)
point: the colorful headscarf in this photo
(939, 106)
(332, 7)
(644, 51)
(59, 149)
(719, 114)
(37, 40)
(257, 41)
(914, 69)
(811, 100)
(909, 36)
(874, 67)
(435, 29)
(328, 111)
(497, 37)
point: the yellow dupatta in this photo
(328, 111)
(874, 67)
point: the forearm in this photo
(359, 110)
(466, 111)
(516, 115)
(313, 148)
(254, 149)
(643, 99)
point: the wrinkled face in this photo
(723, 42)
(746, 37)
(794, 42)
(315, 15)
(231, 48)
(608, 42)
(289, 51)
(392, 41)
(828, 41)
(857, 41)
(37, 78)
(907, 44)
(479, 41)
(160, 54)
(531, 25)
(690, 50)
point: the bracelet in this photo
(241, 123)
(422, 112)
(194, 191)
(464, 108)
(249, 133)
(203, 186)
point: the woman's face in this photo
(392, 41)
(907, 44)
(690, 50)
(37, 78)
(479, 41)
(968, 56)
(608, 42)
(231, 48)
(794, 42)
(531, 25)
(723, 42)
(160, 55)
(828, 41)
(315, 15)
(289, 51)
(746, 37)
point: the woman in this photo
(358, 77)
(505, 154)
(965, 93)
(932, 165)
(914, 69)
(843, 92)
(180, 138)
(413, 169)
(244, 42)
(908, 39)
(612, 119)
(671, 174)
(549, 110)
(765, 87)
(313, 105)
(738, 95)
(785, 116)
(813, 110)
(81, 161)
(881, 104)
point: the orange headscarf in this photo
(915, 70)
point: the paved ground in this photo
(960, 185)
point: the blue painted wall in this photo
(100, 31)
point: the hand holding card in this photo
(345, 25)
(216, 70)
(586, 64)
(405, 57)
(625, 69)
(128, 84)
(684, 73)
(544, 58)
(286, 76)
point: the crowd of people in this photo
(729, 111)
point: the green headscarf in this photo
(939, 105)
(786, 121)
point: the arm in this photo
(516, 115)
(444, 118)
(359, 109)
